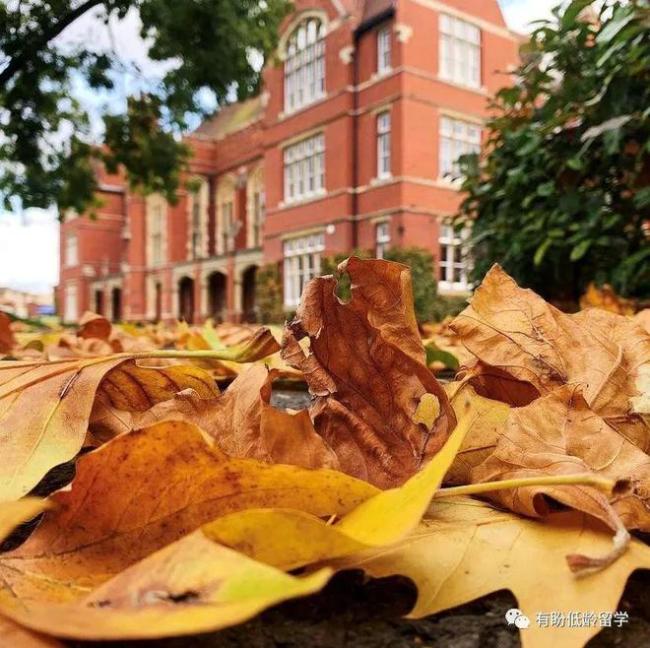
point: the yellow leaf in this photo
(290, 539)
(465, 549)
(11, 515)
(144, 490)
(45, 408)
(189, 587)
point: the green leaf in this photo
(435, 354)
(541, 251)
(580, 250)
(546, 189)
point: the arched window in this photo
(304, 66)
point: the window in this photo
(304, 169)
(460, 51)
(226, 227)
(383, 50)
(258, 218)
(196, 227)
(453, 265)
(71, 250)
(157, 235)
(301, 263)
(198, 220)
(382, 239)
(304, 66)
(71, 310)
(383, 145)
(456, 138)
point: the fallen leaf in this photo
(244, 424)
(7, 339)
(465, 549)
(291, 539)
(605, 298)
(146, 489)
(191, 586)
(45, 408)
(642, 318)
(366, 366)
(15, 636)
(558, 435)
(517, 332)
(256, 346)
(11, 515)
(95, 326)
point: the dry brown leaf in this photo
(143, 490)
(465, 549)
(244, 423)
(642, 318)
(555, 435)
(605, 298)
(7, 339)
(520, 334)
(45, 408)
(366, 366)
(92, 325)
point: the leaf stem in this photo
(601, 483)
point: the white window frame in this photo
(457, 137)
(383, 127)
(382, 238)
(453, 273)
(304, 65)
(71, 302)
(302, 262)
(384, 50)
(460, 51)
(71, 249)
(197, 221)
(304, 169)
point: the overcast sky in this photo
(29, 248)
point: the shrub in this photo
(268, 294)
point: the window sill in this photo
(381, 180)
(285, 114)
(446, 288)
(481, 90)
(286, 204)
(380, 74)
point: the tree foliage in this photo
(47, 151)
(563, 195)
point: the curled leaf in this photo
(366, 367)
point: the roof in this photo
(232, 118)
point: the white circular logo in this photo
(517, 618)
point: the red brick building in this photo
(352, 144)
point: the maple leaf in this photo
(465, 549)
